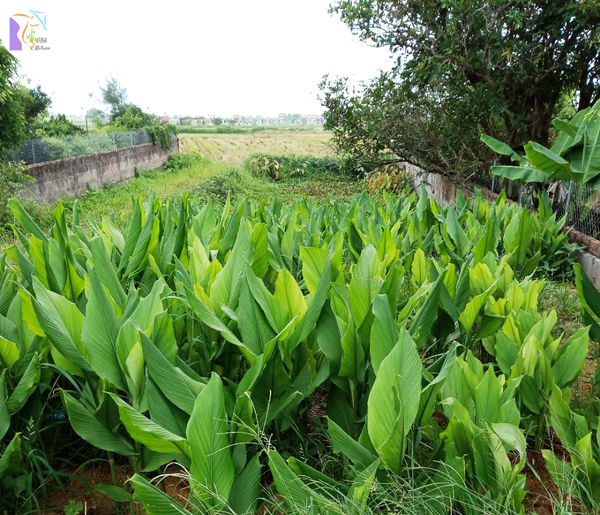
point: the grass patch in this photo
(562, 297)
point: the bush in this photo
(290, 166)
(12, 180)
(176, 162)
(218, 188)
(389, 178)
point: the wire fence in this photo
(579, 202)
(53, 148)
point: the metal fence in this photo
(51, 149)
(579, 202)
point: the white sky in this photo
(193, 57)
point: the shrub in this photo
(388, 178)
(12, 180)
(176, 162)
(289, 166)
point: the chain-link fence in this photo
(579, 202)
(51, 149)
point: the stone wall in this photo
(443, 189)
(72, 175)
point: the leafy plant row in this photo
(207, 336)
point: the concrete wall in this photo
(72, 175)
(443, 189)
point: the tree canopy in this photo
(13, 98)
(115, 97)
(503, 67)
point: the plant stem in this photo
(113, 469)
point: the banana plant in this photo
(573, 157)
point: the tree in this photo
(13, 98)
(95, 116)
(115, 97)
(217, 121)
(502, 67)
(37, 104)
(134, 118)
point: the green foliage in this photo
(575, 155)
(462, 69)
(161, 135)
(388, 178)
(53, 126)
(181, 160)
(12, 180)
(278, 167)
(37, 104)
(13, 100)
(581, 476)
(203, 334)
(73, 508)
(115, 97)
(96, 117)
(127, 116)
(133, 118)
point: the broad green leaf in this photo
(289, 294)
(571, 357)
(457, 234)
(394, 401)
(296, 494)
(212, 472)
(148, 433)
(62, 322)
(173, 385)
(420, 329)
(25, 220)
(27, 384)
(418, 267)
(4, 414)
(253, 324)
(89, 427)
(246, 488)
(10, 461)
(227, 285)
(313, 263)
(114, 493)
(342, 442)
(383, 331)
(155, 501)
(9, 352)
(99, 334)
(499, 147)
(526, 174)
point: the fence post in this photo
(131, 138)
(33, 151)
(112, 134)
(569, 198)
